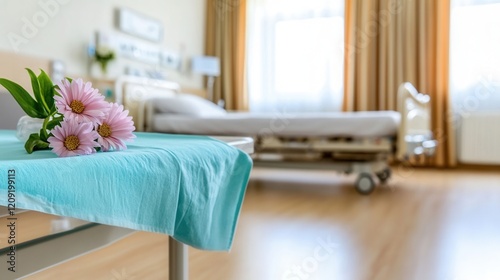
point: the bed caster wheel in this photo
(384, 175)
(365, 184)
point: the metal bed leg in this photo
(178, 260)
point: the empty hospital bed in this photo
(356, 142)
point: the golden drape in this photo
(389, 42)
(225, 38)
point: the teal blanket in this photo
(189, 187)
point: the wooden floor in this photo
(425, 224)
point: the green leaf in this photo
(55, 91)
(48, 91)
(69, 79)
(34, 143)
(36, 89)
(55, 122)
(24, 99)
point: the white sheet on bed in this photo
(354, 124)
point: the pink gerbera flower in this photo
(73, 138)
(80, 101)
(115, 129)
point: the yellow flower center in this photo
(71, 142)
(77, 106)
(104, 130)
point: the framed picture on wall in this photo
(139, 25)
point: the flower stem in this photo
(44, 135)
(45, 122)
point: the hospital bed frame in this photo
(367, 157)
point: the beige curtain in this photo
(393, 41)
(225, 38)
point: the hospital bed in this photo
(363, 143)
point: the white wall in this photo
(71, 25)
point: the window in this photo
(295, 55)
(475, 55)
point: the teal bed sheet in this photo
(189, 187)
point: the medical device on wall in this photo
(137, 50)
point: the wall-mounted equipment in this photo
(129, 47)
(170, 60)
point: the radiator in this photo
(479, 138)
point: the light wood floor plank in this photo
(427, 224)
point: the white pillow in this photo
(187, 104)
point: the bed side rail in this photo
(415, 133)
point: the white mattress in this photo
(354, 124)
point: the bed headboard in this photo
(134, 92)
(12, 67)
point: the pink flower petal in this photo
(121, 127)
(95, 107)
(85, 133)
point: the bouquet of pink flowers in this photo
(77, 119)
